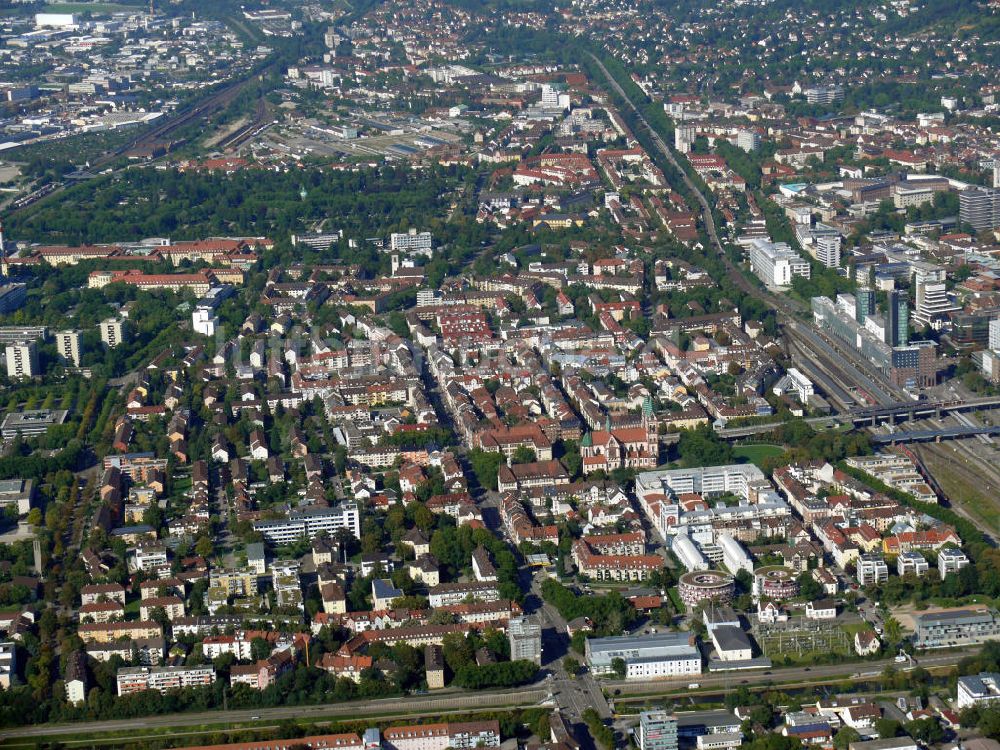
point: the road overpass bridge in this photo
(935, 436)
(909, 410)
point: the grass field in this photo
(756, 453)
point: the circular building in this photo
(700, 586)
(775, 582)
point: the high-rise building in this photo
(554, 97)
(865, 304)
(525, 636)
(22, 360)
(932, 300)
(824, 94)
(775, 263)
(897, 330)
(68, 346)
(995, 333)
(411, 242)
(113, 332)
(979, 207)
(657, 730)
(748, 140)
(828, 250)
(684, 136)
(914, 365)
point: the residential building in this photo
(417, 243)
(824, 95)
(872, 569)
(951, 560)
(525, 636)
(75, 678)
(162, 679)
(445, 594)
(22, 360)
(310, 522)
(748, 140)
(434, 666)
(911, 562)
(69, 347)
(460, 736)
(384, 593)
(775, 263)
(828, 250)
(113, 631)
(113, 331)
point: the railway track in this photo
(256, 126)
(786, 307)
(216, 101)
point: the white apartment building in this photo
(68, 346)
(911, 562)
(775, 263)
(112, 332)
(309, 523)
(137, 679)
(748, 140)
(414, 242)
(951, 560)
(872, 569)
(22, 360)
(828, 250)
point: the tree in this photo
(845, 737)
(887, 728)
(619, 667)
(809, 587)
(989, 723)
(485, 465)
(926, 730)
(893, 631)
(259, 649)
(571, 665)
(523, 455)
(457, 651)
(702, 447)
(204, 547)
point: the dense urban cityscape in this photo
(447, 374)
